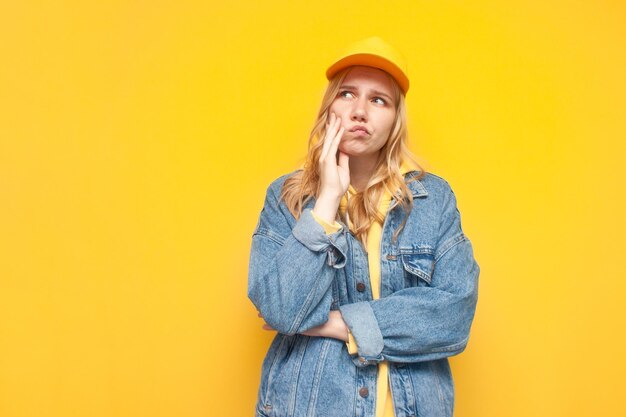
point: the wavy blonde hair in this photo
(362, 208)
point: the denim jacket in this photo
(428, 296)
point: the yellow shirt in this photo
(384, 404)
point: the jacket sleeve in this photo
(291, 270)
(424, 322)
(331, 228)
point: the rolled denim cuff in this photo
(312, 235)
(328, 228)
(363, 325)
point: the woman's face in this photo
(367, 111)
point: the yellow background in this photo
(137, 139)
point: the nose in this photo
(359, 113)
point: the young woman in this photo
(359, 261)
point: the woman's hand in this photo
(334, 176)
(335, 327)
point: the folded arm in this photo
(291, 270)
(423, 322)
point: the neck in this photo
(361, 170)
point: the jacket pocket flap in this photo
(421, 265)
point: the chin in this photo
(349, 152)
(353, 149)
(350, 149)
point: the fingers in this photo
(344, 161)
(335, 144)
(333, 130)
(265, 326)
(331, 126)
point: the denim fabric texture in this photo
(429, 290)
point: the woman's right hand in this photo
(334, 176)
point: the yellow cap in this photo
(373, 52)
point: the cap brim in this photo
(370, 61)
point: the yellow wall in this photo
(137, 140)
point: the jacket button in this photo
(360, 287)
(391, 257)
(362, 359)
(364, 392)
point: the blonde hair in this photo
(362, 208)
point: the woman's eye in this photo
(343, 93)
(381, 101)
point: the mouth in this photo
(360, 130)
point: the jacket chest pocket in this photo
(418, 268)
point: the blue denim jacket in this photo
(429, 290)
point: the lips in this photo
(360, 129)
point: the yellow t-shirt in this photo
(384, 403)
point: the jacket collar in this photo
(410, 170)
(416, 186)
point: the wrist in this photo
(326, 208)
(329, 196)
(339, 327)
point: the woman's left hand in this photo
(335, 327)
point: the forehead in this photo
(369, 77)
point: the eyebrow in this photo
(380, 93)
